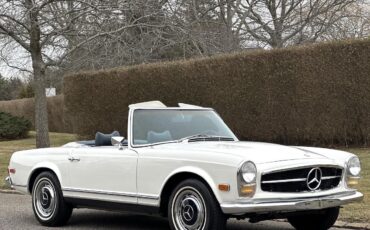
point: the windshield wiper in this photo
(193, 136)
(196, 137)
(205, 137)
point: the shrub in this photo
(26, 108)
(314, 95)
(12, 127)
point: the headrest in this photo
(154, 137)
(102, 139)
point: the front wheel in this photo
(193, 206)
(320, 221)
(47, 201)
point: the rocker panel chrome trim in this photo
(112, 206)
(146, 196)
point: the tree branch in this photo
(74, 48)
(15, 37)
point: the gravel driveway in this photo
(16, 213)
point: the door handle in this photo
(73, 159)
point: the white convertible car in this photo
(186, 164)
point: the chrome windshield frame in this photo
(131, 117)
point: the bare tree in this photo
(141, 43)
(44, 29)
(188, 28)
(354, 22)
(207, 26)
(278, 23)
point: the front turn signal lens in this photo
(352, 181)
(248, 190)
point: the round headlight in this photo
(248, 172)
(354, 167)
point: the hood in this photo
(257, 152)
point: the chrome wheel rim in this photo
(44, 199)
(189, 210)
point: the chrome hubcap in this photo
(189, 210)
(44, 199)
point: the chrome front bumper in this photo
(8, 180)
(289, 205)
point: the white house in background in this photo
(50, 92)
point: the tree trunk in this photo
(39, 67)
(41, 112)
(230, 34)
(277, 41)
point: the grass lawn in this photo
(358, 212)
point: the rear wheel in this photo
(320, 221)
(193, 206)
(47, 201)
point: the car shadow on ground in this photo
(91, 219)
(113, 220)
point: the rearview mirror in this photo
(117, 140)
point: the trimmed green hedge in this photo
(12, 127)
(26, 108)
(314, 95)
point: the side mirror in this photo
(117, 140)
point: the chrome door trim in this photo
(111, 193)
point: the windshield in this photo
(155, 126)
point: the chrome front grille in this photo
(302, 179)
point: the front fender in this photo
(197, 171)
